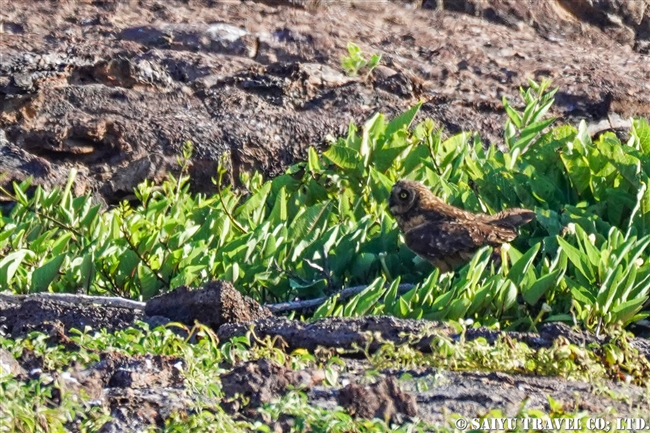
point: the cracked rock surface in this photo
(115, 88)
(146, 389)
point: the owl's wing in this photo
(448, 244)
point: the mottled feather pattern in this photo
(445, 235)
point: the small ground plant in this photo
(355, 62)
(29, 405)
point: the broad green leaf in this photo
(313, 161)
(402, 121)
(626, 310)
(372, 130)
(415, 158)
(641, 130)
(43, 276)
(253, 203)
(384, 158)
(482, 298)
(67, 195)
(404, 307)
(91, 217)
(187, 276)
(578, 171)
(149, 283)
(515, 118)
(9, 265)
(270, 246)
(581, 294)
(507, 296)
(540, 287)
(577, 257)
(521, 267)
(530, 132)
(87, 271)
(543, 109)
(279, 211)
(20, 195)
(442, 301)
(308, 221)
(327, 308)
(568, 318)
(381, 185)
(344, 157)
(367, 298)
(458, 309)
(391, 293)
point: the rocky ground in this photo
(144, 390)
(114, 88)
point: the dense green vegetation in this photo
(324, 225)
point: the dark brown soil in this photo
(352, 334)
(139, 390)
(141, 371)
(383, 399)
(262, 381)
(45, 316)
(220, 306)
(115, 88)
(144, 390)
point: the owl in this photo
(445, 235)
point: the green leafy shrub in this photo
(324, 225)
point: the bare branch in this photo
(311, 303)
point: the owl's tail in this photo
(512, 218)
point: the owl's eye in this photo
(403, 195)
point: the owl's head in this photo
(404, 196)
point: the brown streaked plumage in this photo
(445, 235)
